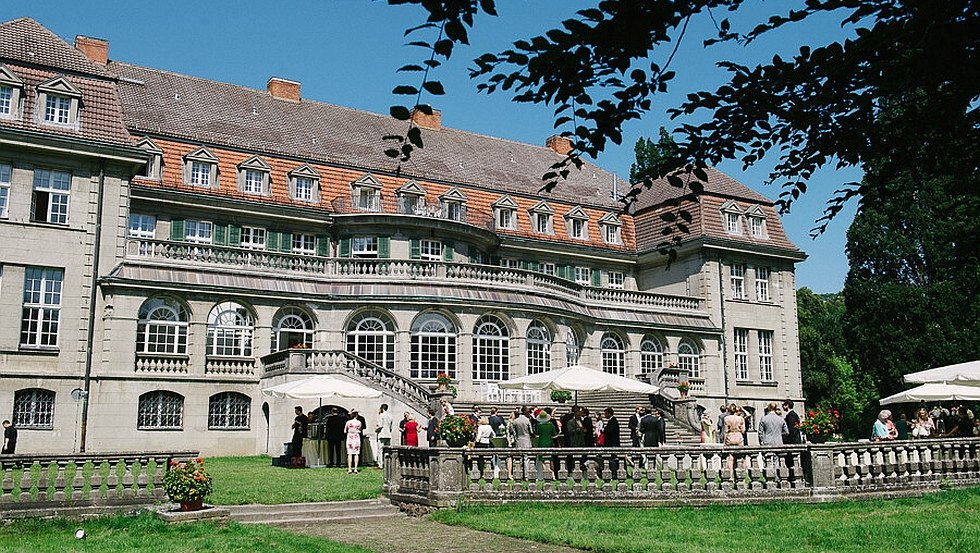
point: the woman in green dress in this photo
(545, 437)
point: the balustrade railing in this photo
(230, 366)
(38, 482)
(711, 472)
(415, 206)
(161, 363)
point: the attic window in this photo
(154, 165)
(201, 169)
(505, 213)
(304, 184)
(253, 176)
(58, 102)
(11, 92)
(366, 194)
(732, 223)
(542, 218)
(453, 205)
(577, 224)
(411, 199)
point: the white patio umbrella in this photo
(936, 391)
(579, 379)
(961, 373)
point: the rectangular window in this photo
(142, 226)
(304, 189)
(254, 182)
(304, 244)
(612, 235)
(758, 230)
(199, 232)
(738, 281)
(430, 250)
(616, 280)
(42, 307)
(454, 211)
(732, 223)
(762, 284)
(5, 175)
(741, 354)
(765, 355)
(49, 201)
(200, 173)
(506, 219)
(6, 100)
(364, 246)
(542, 223)
(57, 109)
(576, 228)
(583, 276)
(510, 263)
(548, 269)
(368, 199)
(253, 238)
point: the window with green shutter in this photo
(566, 272)
(596, 278)
(345, 247)
(534, 266)
(272, 239)
(323, 246)
(414, 249)
(177, 229)
(234, 235)
(384, 247)
(448, 252)
(221, 235)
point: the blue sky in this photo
(345, 52)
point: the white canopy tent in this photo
(936, 391)
(322, 386)
(579, 379)
(961, 373)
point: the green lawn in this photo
(147, 533)
(947, 521)
(243, 480)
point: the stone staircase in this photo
(311, 514)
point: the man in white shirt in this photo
(383, 430)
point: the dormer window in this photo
(577, 224)
(505, 213)
(201, 168)
(411, 199)
(11, 92)
(611, 229)
(542, 218)
(366, 194)
(757, 222)
(58, 102)
(304, 184)
(253, 176)
(453, 205)
(154, 165)
(732, 215)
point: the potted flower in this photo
(819, 424)
(443, 381)
(457, 430)
(683, 387)
(561, 396)
(187, 483)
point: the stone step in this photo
(302, 514)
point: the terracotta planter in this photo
(817, 438)
(192, 505)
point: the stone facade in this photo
(234, 224)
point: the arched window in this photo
(230, 328)
(572, 348)
(371, 335)
(689, 359)
(292, 327)
(613, 354)
(491, 349)
(34, 408)
(433, 347)
(162, 327)
(160, 410)
(538, 348)
(651, 356)
(229, 411)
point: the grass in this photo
(146, 533)
(943, 521)
(244, 480)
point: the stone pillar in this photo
(447, 476)
(818, 466)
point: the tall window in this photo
(253, 182)
(42, 307)
(430, 250)
(491, 349)
(733, 223)
(454, 211)
(583, 276)
(612, 234)
(548, 269)
(765, 355)
(57, 109)
(689, 359)
(49, 201)
(543, 223)
(304, 187)
(506, 218)
(617, 280)
(573, 350)
(757, 225)
(576, 228)
(364, 246)
(538, 348)
(741, 354)
(162, 327)
(762, 283)
(201, 173)
(142, 226)
(230, 328)
(6, 100)
(228, 411)
(292, 327)
(651, 356)
(199, 232)
(304, 244)
(433, 347)
(34, 408)
(160, 410)
(371, 335)
(5, 175)
(253, 238)
(738, 281)
(613, 354)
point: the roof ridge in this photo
(71, 60)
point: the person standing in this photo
(522, 430)
(431, 429)
(589, 427)
(353, 431)
(300, 425)
(383, 430)
(9, 438)
(611, 439)
(661, 427)
(722, 413)
(793, 436)
(496, 422)
(648, 429)
(335, 435)
(411, 431)
(634, 426)
(772, 427)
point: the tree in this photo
(654, 157)
(812, 108)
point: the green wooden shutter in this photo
(272, 240)
(596, 278)
(220, 237)
(414, 249)
(566, 272)
(534, 266)
(384, 247)
(285, 242)
(323, 245)
(177, 230)
(523, 264)
(448, 252)
(234, 235)
(345, 247)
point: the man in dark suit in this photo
(300, 425)
(661, 427)
(649, 429)
(634, 426)
(793, 425)
(9, 438)
(334, 428)
(610, 438)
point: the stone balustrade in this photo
(48, 484)
(677, 475)
(160, 363)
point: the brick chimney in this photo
(95, 49)
(427, 121)
(560, 144)
(283, 89)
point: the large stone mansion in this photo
(173, 245)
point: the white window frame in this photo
(689, 359)
(57, 109)
(510, 263)
(538, 348)
(583, 276)
(160, 410)
(371, 335)
(41, 315)
(430, 250)
(738, 281)
(612, 234)
(765, 338)
(741, 351)
(303, 188)
(290, 326)
(253, 238)
(253, 181)
(34, 409)
(200, 173)
(616, 280)
(230, 331)
(757, 226)
(364, 247)
(544, 223)
(613, 352)
(7, 98)
(6, 175)
(229, 411)
(142, 226)
(733, 223)
(578, 229)
(762, 284)
(573, 349)
(506, 218)
(198, 232)
(651, 356)
(491, 350)
(161, 327)
(56, 185)
(433, 347)
(304, 244)
(549, 269)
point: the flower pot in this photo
(684, 395)
(817, 438)
(457, 442)
(192, 505)
(442, 387)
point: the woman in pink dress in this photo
(353, 431)
(411, 431)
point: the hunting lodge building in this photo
(173, 245)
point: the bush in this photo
(187, 481)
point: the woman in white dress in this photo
(353, 431)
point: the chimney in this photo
(427, 121)
(283, 89)
(560, 144)
(95, 49)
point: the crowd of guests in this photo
(939, 422)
